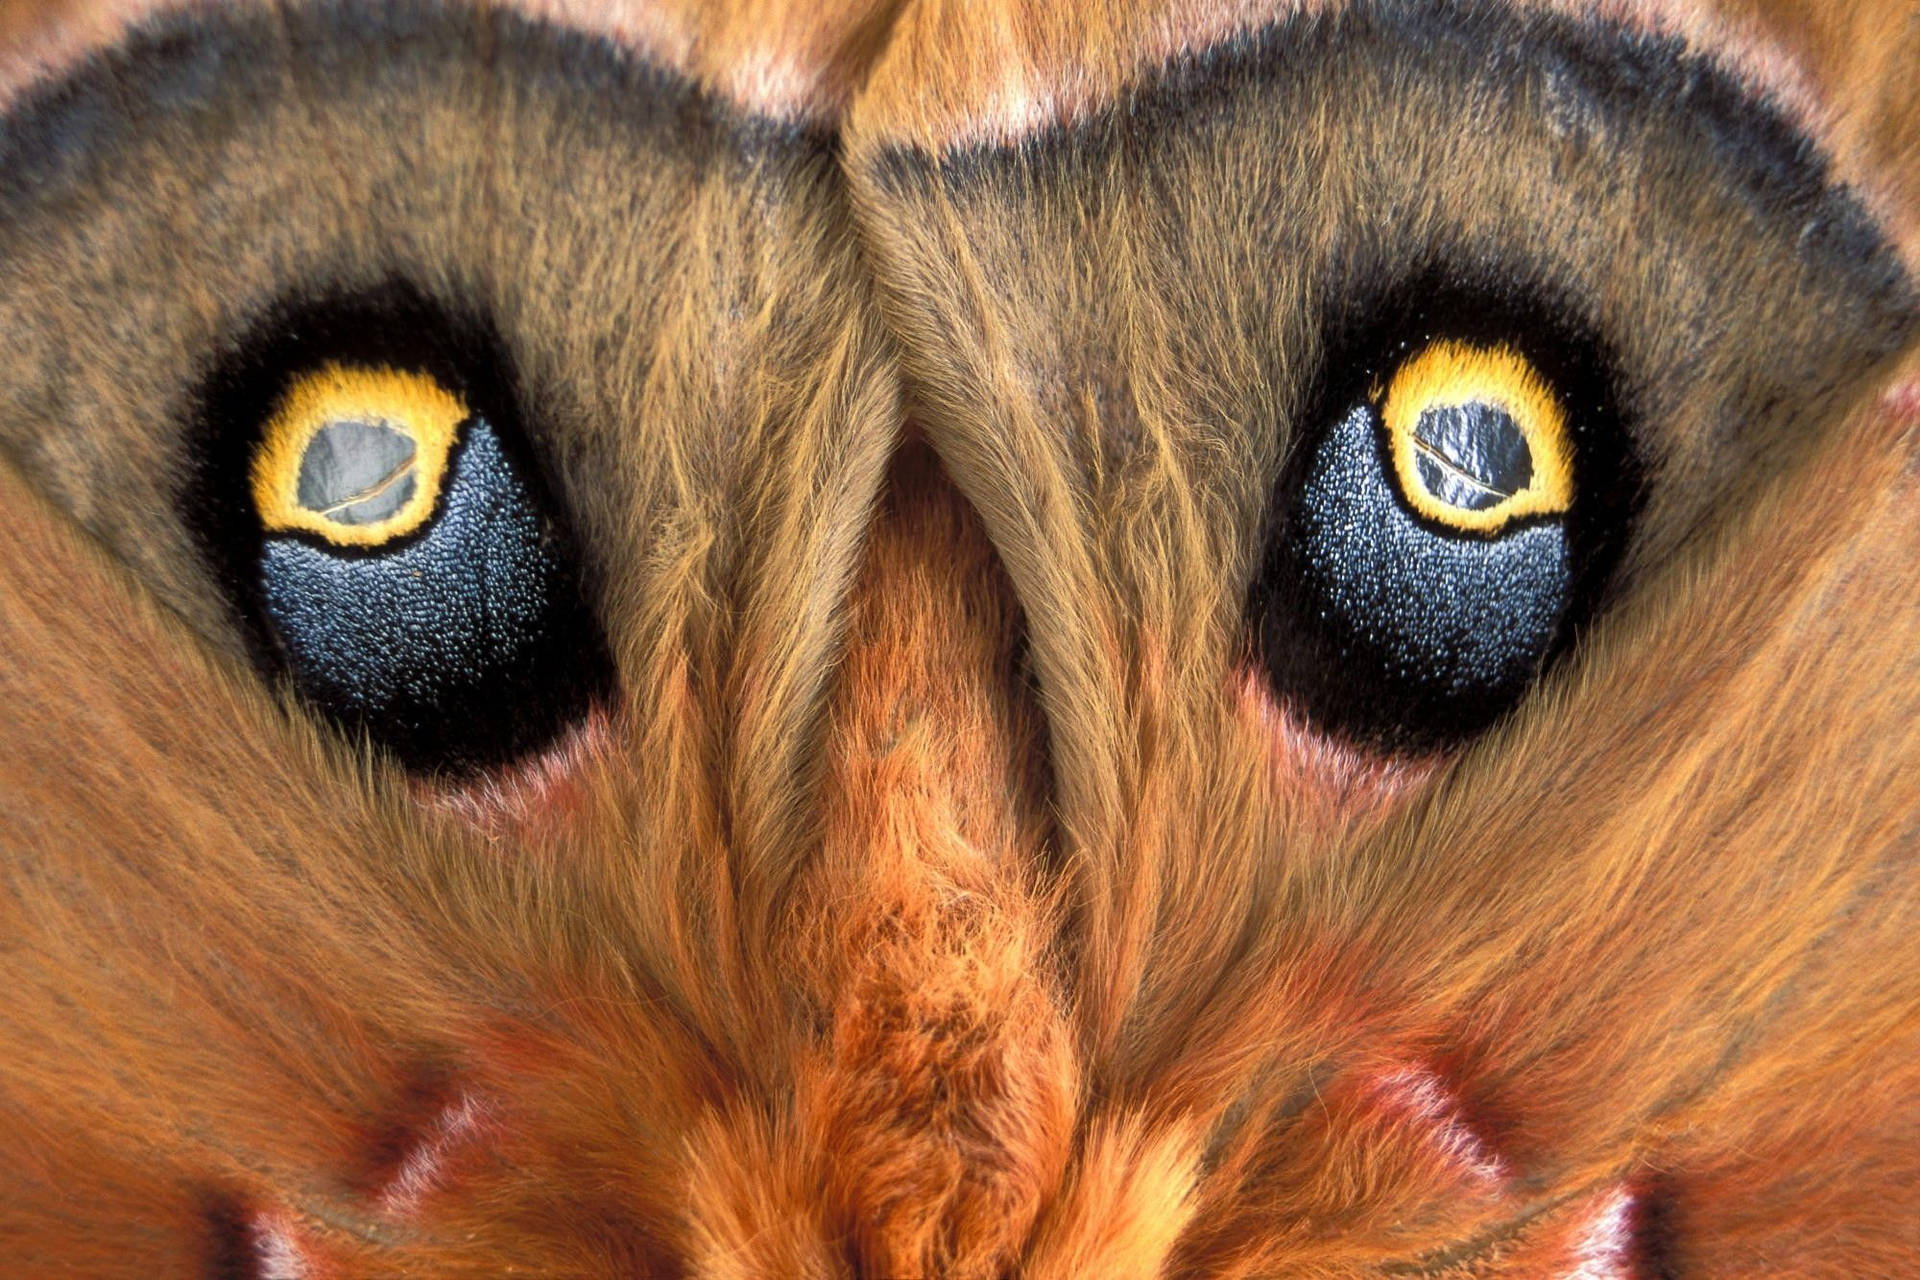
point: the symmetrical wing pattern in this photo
(959, 640)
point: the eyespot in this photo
(396, 554)
(1478, 439)
(1446, 525)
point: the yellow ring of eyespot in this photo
(414, 404)
(1449, 373)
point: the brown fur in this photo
(960, 72)
(943, 894)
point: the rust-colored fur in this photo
(943, 893)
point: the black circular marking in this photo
(466, 643)
(1380, 625)
(1472, 455)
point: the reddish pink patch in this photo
(535, 798)
(277, 1252)
(1903, 400)
(1330, 784)
(438, 1126)
(425, 1166)
(1603, 1244)
(1415, 1095)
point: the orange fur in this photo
(943, 894)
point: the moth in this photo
(893, 638)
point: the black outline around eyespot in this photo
(1307, 651)
(393, 324)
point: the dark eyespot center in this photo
(356, 472)
(1472, 455)
(395, 634)
(1468, 615)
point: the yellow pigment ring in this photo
(1478, 437)
(356, 455)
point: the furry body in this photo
(944, 888)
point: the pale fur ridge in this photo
(859, 940)
(796, 62)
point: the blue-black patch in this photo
(1472, 456)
